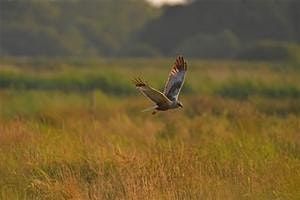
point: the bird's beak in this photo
(180, 105)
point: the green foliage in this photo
(111, 84)
(198, 27)
(130, 28)
(139, 50)
(239, 80)
(223, 45)
(271, 50)
(242, 89)
(63, 28)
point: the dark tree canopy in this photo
(201, 28)
(63, 28)
(248, 21)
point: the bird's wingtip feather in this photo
(138, 82)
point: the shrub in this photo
(239, 89)
(270, 50)
(223, 45)
(109, 84)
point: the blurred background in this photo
(71, 125)
(231, 29)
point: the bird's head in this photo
(179, 104)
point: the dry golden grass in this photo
(219, 149)
(56, 145)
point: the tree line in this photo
(251, 29)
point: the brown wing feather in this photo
(176, 79)
(153, 94)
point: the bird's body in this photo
(164, 107)
(169, 98)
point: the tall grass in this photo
(229, 79)
(110, 84)
(242, 89)
(59, 145)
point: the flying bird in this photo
(168, 99)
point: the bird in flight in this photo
(168, 99)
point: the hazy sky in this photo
(160, 2)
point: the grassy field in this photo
(74, 129)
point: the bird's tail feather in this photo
(149, 109)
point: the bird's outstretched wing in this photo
(176, 79)
(153, 94)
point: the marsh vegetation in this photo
(72, 129)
